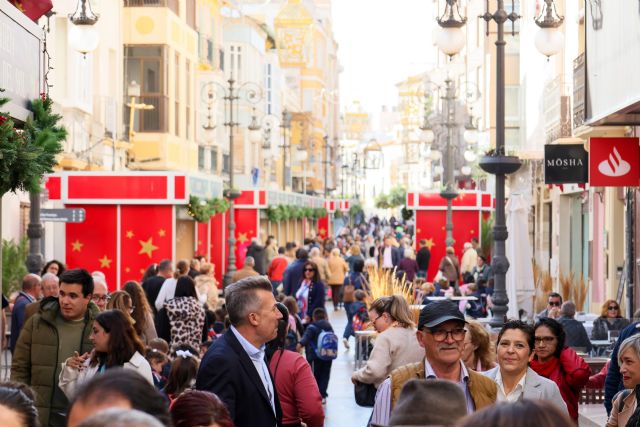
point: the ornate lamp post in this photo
(83, 36)
(232, 93)
(498, 163)
(285, 125)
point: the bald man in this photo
(30, 292)
(100, 291)
(50, 288)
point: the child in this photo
(157, 360)
(163, 347)
(360, 319)
(321, 364)
(183, 373)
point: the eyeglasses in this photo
(309, 269)
(555, 303)
(104, 298)
(612, 308)
(545, 340)
(441, 334)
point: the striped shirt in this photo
(382, 406)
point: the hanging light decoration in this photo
(255, 136)
(465, 170)
(470, 156)
(451, 39)
(83, 35)
(549, 40)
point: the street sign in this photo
(63, 215)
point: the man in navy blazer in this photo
(234, 367)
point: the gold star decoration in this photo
(161, 232)
(77, 246)
(322, 232)
(142, 271)
(429, 244)
(105, 262)
(147, 247)
(130, 234)
(418, 230)
(199, 242)
(242, 238)
(127, 270)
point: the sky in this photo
(380, 43)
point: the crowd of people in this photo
(173, 349)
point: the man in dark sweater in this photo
(574, 330)
(422, 258)
(257, 251)
(293, 273)
(153, 284)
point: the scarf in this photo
(302, 298)
(547, 368)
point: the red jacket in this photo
(276, 268)
(570, 372)
(297, 389)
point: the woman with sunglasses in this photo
(396, 343)
(553, 360)
(310, 294)
(610, 320)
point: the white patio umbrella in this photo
(520, 288)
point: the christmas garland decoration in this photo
(203, 210)
(355, 210)
(26, 155)
(282, 213)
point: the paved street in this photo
(341, 409)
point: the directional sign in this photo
(63, 215)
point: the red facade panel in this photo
(117, 187)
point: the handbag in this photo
(365, 394)
(348, 292)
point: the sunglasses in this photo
(309, 269)
(612, 308)
(555, 303)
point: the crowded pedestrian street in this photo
(319, 213)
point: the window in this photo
(225, 163)
(269, 88)
(191, 13)
(235, 60)
(145, 66)
(221, 58)
(201, 157)
(214, 159)
(512, 105)
(176, 95)
(187, 88)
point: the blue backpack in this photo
(326, 347)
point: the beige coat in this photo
(468, 261)
(323, 267)
(338, 269)
(207, 290)
(621, 418)
(393, 348)
(246, 271)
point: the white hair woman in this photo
(624, 403)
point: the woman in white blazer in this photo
(514, 378)
(116, 344)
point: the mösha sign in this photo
(565, 164)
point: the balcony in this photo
(557, 115)
(171, 4)
(579, 89)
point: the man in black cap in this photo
(441, 331)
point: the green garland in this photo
(27, 155)
(282, 213)
(203, 210)
(407, 214)
(355, 210)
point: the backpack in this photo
(360, 320)
(326, 347)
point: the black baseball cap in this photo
(438, 312)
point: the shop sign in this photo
(614, 162)
(20, 60)
(565, 164)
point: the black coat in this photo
(258, 253)
(227, 371)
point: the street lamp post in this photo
(232, 94)
(497, 162)
(286, 145)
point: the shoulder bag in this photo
(365, 394)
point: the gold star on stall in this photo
(130, 234)
(105, 262)
(77, 246)
(429, 243)
(127, 270)
(161, 232)
(242, 238)
(147, 247)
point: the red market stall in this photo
(134, 219)
(468, 210)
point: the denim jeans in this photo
(348, 330)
